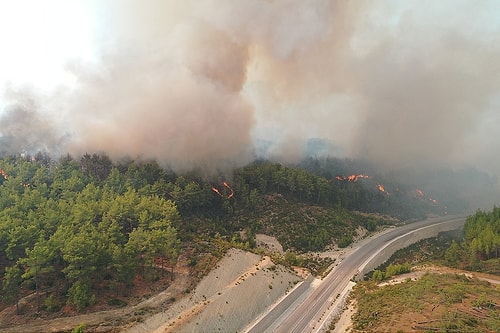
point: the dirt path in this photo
(419, 271)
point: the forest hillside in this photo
(80, 229)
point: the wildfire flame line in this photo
(420, 193)
(4, 174)
(226, 185)
(351, 178)
(230, 189)
(382, 189)
(216, 190)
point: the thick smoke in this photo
(170, 91)
(427, 87)
(198, 83)
(23, 127)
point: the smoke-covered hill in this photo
(91, 226)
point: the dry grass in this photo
(435, 302)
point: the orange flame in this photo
(382, 189)
(351, 178)
(217, 191)
(229, 187)
(226, 185)
(420, 193)
(4, 174)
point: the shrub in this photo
(80, 295)
(377, 275)
(52, 304)
(117, 302)
(79, 329)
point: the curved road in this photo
(308, 308)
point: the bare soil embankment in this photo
(232, 295)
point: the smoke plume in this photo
(198, 83)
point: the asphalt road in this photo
(307, 309)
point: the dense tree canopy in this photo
(78, 225)
(482, 233)
(82, 225)
(480, 246)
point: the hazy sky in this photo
(198, 82)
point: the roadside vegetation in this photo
(451, 301)
(434, 302)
